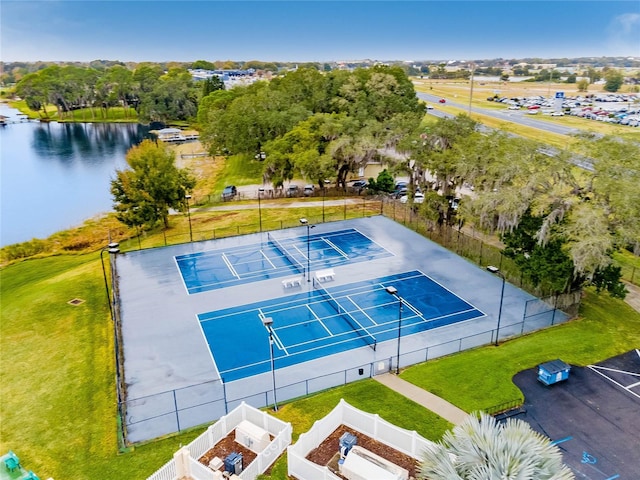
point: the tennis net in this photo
(353, 323)
(285, 253)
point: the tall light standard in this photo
(112, 248)
(497, 271)
(324, 192)
(473, 69)
(187, 198)
(260, 192)
(268, 322)
(394, 291)
(305, 222)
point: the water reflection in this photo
(87, 143)
(55, 176)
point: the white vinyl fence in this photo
(185, 461)
(405, 441)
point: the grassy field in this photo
(59, 407)
(112, 115)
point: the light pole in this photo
(394, 291)
(260, 191)
(473, 69)
(187, 198)
(497, 271)
(324, 191)
(268, 322)
(112, 248)
(305, 222)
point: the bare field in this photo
(482, 89)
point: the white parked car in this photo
(557, 114)
(514, 107)
(418, 198)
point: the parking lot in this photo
(593, 416)
(622, 109)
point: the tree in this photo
(482, 448)
(203, 64)
(144, 193)
(384, 182)
(614, 80)
(211, 85)
(583, 85)
(174, 97)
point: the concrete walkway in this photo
(633, 297)
(427, 399)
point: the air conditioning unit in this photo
(252, 437)
(361, 464)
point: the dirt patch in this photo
(325, 453)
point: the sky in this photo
(318, 31)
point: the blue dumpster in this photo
(553, 372)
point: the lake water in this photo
(56, 175)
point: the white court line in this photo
(319, 320)
(633, 385)
(267, 259)
(335, 247)
(229, 266)
(296, 247)
(594, 368)
(373, 322)
(206, 342)
(375, 243)
(455, 294)
(279, 343)
(184, 282)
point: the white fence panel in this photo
(199, 471)
(362, 421)
(303, 469)
(201, 444)
(167, 472)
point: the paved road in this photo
(514, 116)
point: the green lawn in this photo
(58, 402)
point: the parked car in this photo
(229, 192)
(417, 198)
(359, 184)
(442, 100)
(557, 114)
(308, 190)
(400, 192)
(293, 191)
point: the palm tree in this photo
(482, 449)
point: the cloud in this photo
(624, 32)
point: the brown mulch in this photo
(225, 447)
(325, 454)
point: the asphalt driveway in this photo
(593, 416)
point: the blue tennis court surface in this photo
(274, 258)
(323, 322)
